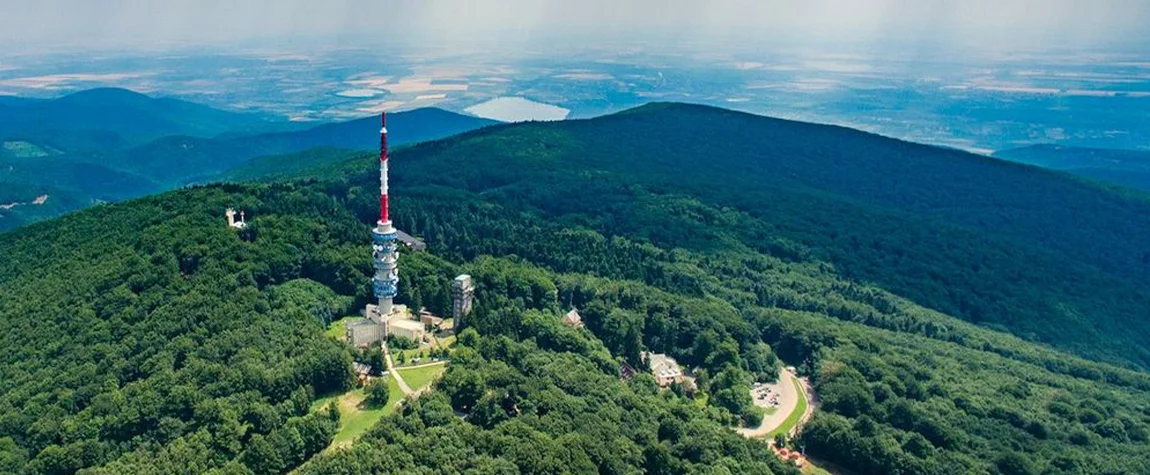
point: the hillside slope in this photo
(181, 160)
(110, 174)
(978, 238)
(117, 117)
(316, 162)
(1121, 167)
(413, 126)
(147, 337)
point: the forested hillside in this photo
(134, 330)
(148, 337)
(316, 162)
(1008, 246)
(99, 119)
(179, 160)
(1120, 167)
(63, 145)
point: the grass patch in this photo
(795, 415)
(417, 378)
(322, 402)
(770, 410)
(355, 417)
(338, 328)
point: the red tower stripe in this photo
(383, 208)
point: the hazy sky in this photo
(159, 23)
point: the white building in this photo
(665, 369)
(375, 328)
(364, 332)
(409, 329)
(231, 214)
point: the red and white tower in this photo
(385, 283)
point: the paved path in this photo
(788, 402)
(395, 374)
(424, 365)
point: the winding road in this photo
(788, 387)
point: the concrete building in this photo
(462, 297)
(374, 329)
(665, 369)
(365, 332)
(430, 320)
(404, 328)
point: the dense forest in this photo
(1120, 167)
(977, 238)
(148, 337)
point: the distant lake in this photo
(517, 109)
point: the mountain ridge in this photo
(134, 117)
(1129, 168)
(916, 220)
(178, 160)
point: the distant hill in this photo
(1120, 167)
(96, 181)
(120, 116)
(180, 160)
(22, 203)
(419, 125)
(69, 185)
(110, 173)
(316, 162)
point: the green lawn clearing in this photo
(422, 376)
(795, 415)
(355, 417)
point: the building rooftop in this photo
(662, 365)
(410, 241)
(573, 319)
(406, 324)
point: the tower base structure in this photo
(377, 326)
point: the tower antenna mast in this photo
(385, 283)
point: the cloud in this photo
(168, 23)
